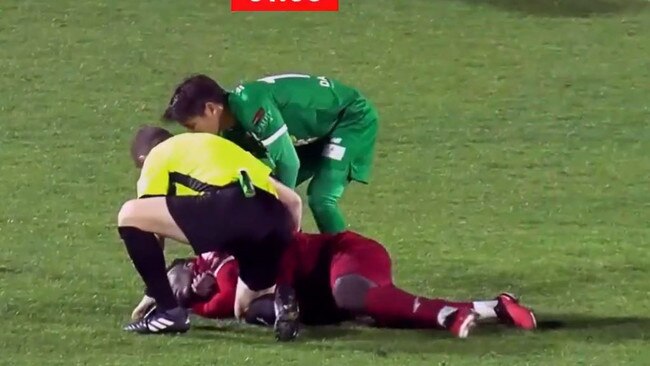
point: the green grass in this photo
(513, 156)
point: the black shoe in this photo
(157, 322)
(286, 314)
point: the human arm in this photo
(291, 201)
(260, 116)
(221, 304)
(284, 159)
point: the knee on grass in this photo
(350, 292)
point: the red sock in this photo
(393, 307)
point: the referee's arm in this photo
(291, 200)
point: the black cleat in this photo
(158, 322)
(286, 325)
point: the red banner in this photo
(284, 5)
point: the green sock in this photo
(328, 217)
(324, 192)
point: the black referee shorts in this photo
(255, 230)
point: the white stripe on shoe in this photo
(165, 322)
(156, 325)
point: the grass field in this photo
(513, 156)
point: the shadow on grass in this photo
(603, 329)
(565, 8)
(553, 331)
(309, 333)
(9, 270)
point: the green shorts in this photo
(350, 148)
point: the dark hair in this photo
(190, 97)
(145, 140)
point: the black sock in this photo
(148, 258)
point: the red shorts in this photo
(344, 254)
(356, 254)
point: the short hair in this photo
(190, 97)
(146, 138)
(179, 274)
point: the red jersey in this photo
(225, 271)
(309, 265)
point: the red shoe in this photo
(510, 312)
(461, 322)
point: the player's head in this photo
(179, 274)
(198, 104)
(145, 140)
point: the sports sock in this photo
(148, 259)
(393, 307)
(485, 309)
(325, 190)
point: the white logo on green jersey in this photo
(334, 152)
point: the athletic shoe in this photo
(510, 312)
(286, 325)
(461, 322)
(157, 322)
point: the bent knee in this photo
(127, 216)
(350, 292)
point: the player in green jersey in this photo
(305, 127)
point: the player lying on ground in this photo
(205, 284)
(339, 277)
(204, 190)
(304, 126)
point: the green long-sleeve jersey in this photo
(284, 111)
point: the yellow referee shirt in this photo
(193, 163)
